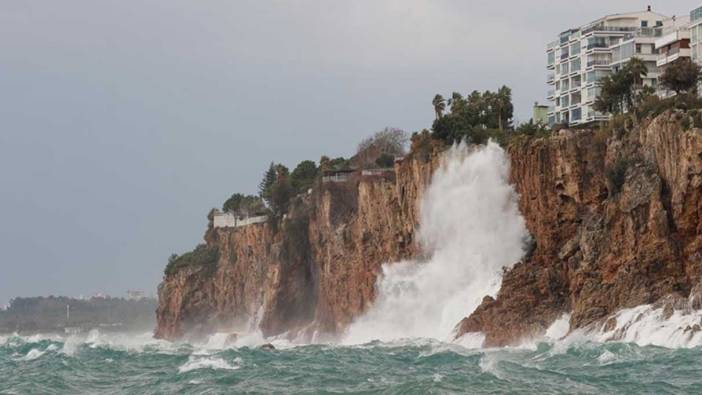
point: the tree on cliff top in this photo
(303, 176)
(618, 90)
(476, 117)
(389, 142)
(270, 177)
(681, 76)
(439, 104)
(244, 204)
(327, 164)
(275, 188)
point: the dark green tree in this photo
(303, 176)
(619, 90)
(477, 117)
(681, 76)
(281, 192)
(264, 187)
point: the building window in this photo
(644, 23)
(638, 48)
(575, 49)
(659, 23)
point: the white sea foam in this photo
(559, 328)
(646, 325)
(199, 362)
(471, 229)
(33, 354)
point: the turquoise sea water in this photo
(128, 364)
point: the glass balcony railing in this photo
(605, 28)
(650, 32)
(597, 44)
(598, 62)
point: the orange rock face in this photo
(310, 274)
(615, 222)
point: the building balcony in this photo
(550, 94)
(608, 29)
(596, 45)
(598, 63)
(672, 56)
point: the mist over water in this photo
(470, 228)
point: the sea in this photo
(96, 363)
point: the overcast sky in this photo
(123, 122)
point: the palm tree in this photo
(638, 70)
(439, 104)
(456, 102)
(503, 104)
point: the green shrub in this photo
(385, 160)
(202, 255)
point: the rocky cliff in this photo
(614, 217)
(309, 274)
(615, 221)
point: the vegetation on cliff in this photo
(202, 255)
(474, 118)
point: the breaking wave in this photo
(471, 228)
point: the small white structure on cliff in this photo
(231, 220)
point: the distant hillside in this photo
(48, 314)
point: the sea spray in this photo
(471, 229)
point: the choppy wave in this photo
(112, 364)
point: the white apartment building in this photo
(673, 45)
(582, 56)
(696, 35)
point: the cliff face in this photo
(615, 222)
(614, 219)
(312, 273)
